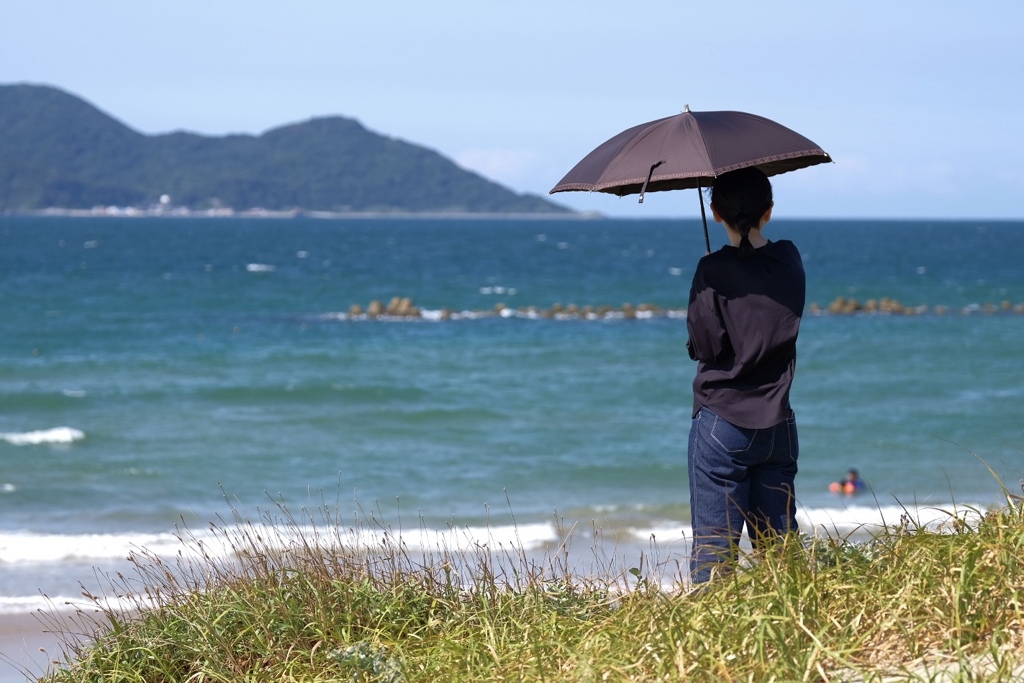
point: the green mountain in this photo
(57, 150)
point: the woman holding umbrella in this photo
(744, 313)
(743, 317)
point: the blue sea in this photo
(165, 373)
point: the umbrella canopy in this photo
(690, 150)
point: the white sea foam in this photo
(848, 522)
(862, 518)
(25, 604)
(22, 547)
(466, 539)
(260, 268)
(56, 435)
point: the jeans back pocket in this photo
(731, 438)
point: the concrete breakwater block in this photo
(403, 307)
(885, 306)
(399, 307)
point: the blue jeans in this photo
(738, 476)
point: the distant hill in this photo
(57, 150)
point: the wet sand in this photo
(27, 644)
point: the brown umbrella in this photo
(690, 150)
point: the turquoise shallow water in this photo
(151, 368)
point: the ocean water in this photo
(161, 372)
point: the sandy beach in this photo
(27, 643)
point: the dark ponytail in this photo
(742, 198)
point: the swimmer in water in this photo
(850, 485)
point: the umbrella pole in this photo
(703, 217)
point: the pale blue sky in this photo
(919, 103)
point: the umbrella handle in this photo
(643, 190)
(703, 216)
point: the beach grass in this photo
(294, 601)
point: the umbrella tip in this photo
(686, 110)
